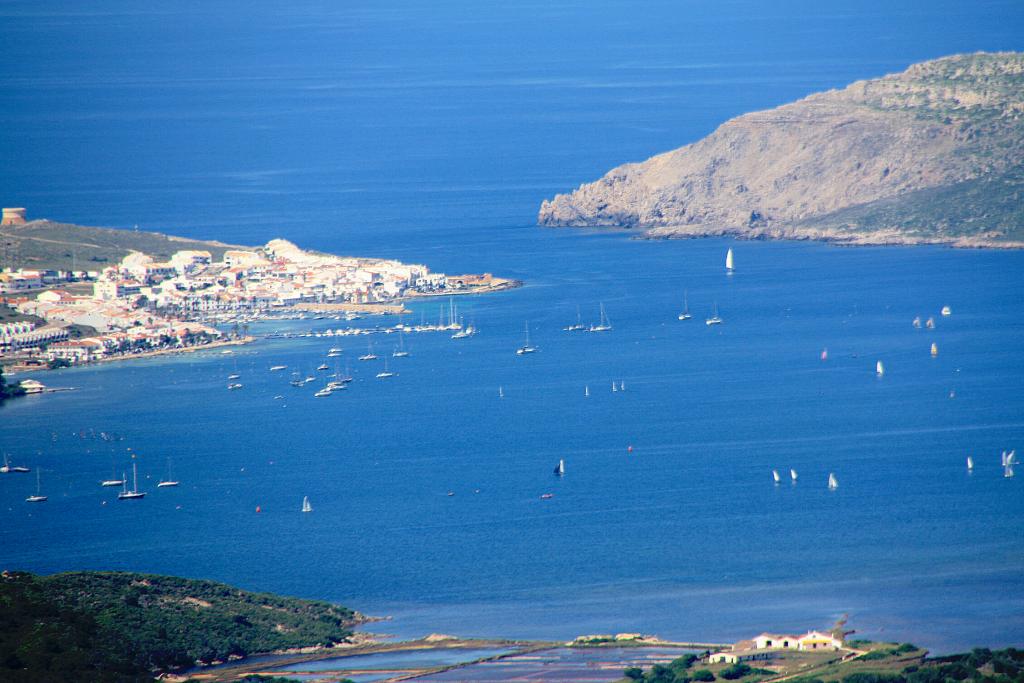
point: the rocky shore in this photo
(932, 155)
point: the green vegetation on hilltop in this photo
(63, 246)
(987, 207)
(883, 663)
(980, 665)
(116, 626)
(678, 671)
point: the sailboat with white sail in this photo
(792, 475)
(560, 468)
(685, 315)
(879, 369)
(729, 266)
(775, 476)
(833, 483)
(526, 347)
(169, 481)
(604, 324)
(970, 464)
(38, 497)
(125, 494)
(306, 507)
(586, 391)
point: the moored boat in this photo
(714, 319)
(685, 315)
(38, 497)
(604, 324)
(577, 326)
(169, 481)
(134, 494)
(526, 347)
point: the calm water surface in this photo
(431, 133)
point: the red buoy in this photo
(629, 449)
(258, 509)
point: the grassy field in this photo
(62, 246)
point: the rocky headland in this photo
(934, 154)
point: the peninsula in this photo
(107, 626)
(79, 294)
(934, 154)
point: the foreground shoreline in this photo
(837, 239)
(219, 344)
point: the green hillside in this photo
(61, 246)
(114, 626)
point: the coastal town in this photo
(141, 305)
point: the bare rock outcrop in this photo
(813, 169)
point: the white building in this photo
(187, 260)
(237, 257)
(812, 640)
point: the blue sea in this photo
(431, 132)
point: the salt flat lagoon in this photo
(432, 137)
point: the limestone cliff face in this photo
(775, 173)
